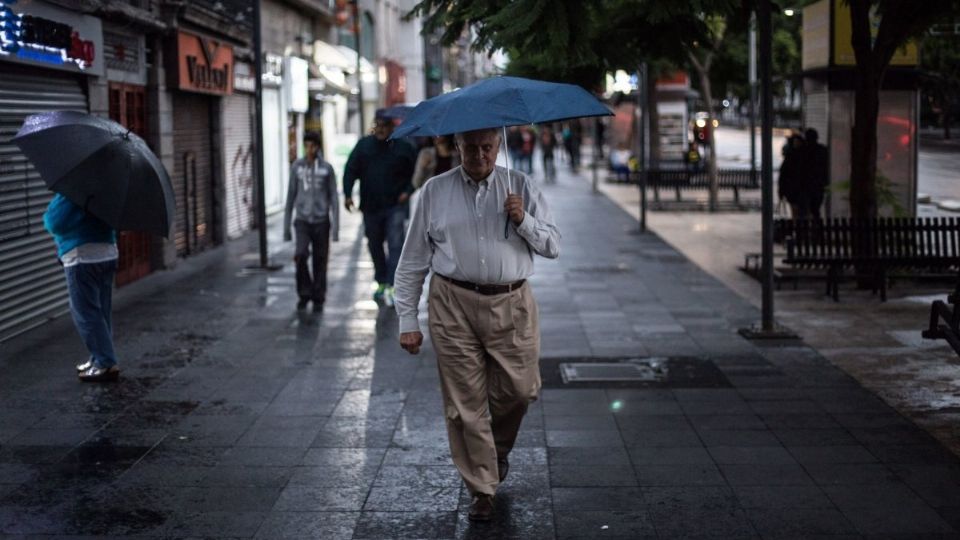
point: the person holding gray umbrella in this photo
(105, 179)
(87, 249)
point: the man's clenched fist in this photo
(411, 341)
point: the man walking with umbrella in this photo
(385, 170)
(476, 228)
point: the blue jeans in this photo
(91, 298)
(385, 225)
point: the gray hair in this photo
(486, 131)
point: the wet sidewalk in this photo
(239, 418)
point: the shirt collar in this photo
(489, 179)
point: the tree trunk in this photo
(703, 71)
(863, 147)
(654, 123)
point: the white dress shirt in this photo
(459, 229)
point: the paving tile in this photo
(679, 475)
(751, 455)
(592, 476)
(612, 456)
(415, 498)
(670, 455)
(221, 524)
(406, 524)
(780, 496)
(605, 524)
(595, 498)
(765, 474)
(299, 498)
(660, 437)
(297, 525)
(738, 437)
(799, 522)
(583, 438)
(831, 454)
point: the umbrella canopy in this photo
(102, 167)
(499, 102)
(397, 111)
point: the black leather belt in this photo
(486, 290)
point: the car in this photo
(701, 134)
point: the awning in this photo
(327, 81)
(325, 54)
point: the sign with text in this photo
(204, 65)
(43, 35)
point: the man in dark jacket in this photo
(312, 195)
(384, 169)
(817, 171)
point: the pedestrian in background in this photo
(384, 169)
(312, 196)
(483, 317)
(528, 143)
(435, 159)
(548, 143)
(87, 249)
(790, 184)
(816, 163)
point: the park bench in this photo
(680, 180)
(945, 319)
(874, 246)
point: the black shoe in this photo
(503, 467)
(99, 374)
(317, 307)
(481, 509)
(85, 366)
(302, 304)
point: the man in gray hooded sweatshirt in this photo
(313, 195)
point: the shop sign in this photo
(39, 34)
(295, 84)
(244, 79)
(204, 65)
(272, 69)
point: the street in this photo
(237, 418)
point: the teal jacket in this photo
(71, 226)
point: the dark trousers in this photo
(90, 287)
(313, 243)
(385, 225)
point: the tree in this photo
(896, 22)
(701, 57)
(576, 41)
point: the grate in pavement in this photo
(646, 372)
(649, 370)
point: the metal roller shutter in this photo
(192, 173)
(238, 162)
(32, 286)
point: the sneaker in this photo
(378, 294)
(388, 297)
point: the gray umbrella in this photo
(101, 166)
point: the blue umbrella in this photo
(499, 102)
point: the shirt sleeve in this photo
(292, 187)
(413, 268)
(538, 227)
(334, 204)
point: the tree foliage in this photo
(575, 40)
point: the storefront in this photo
(125, 57)
(203, 73)
(46, 58)
(239, 157)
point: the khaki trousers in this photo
(488, 350)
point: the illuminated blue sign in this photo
(42, 36)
